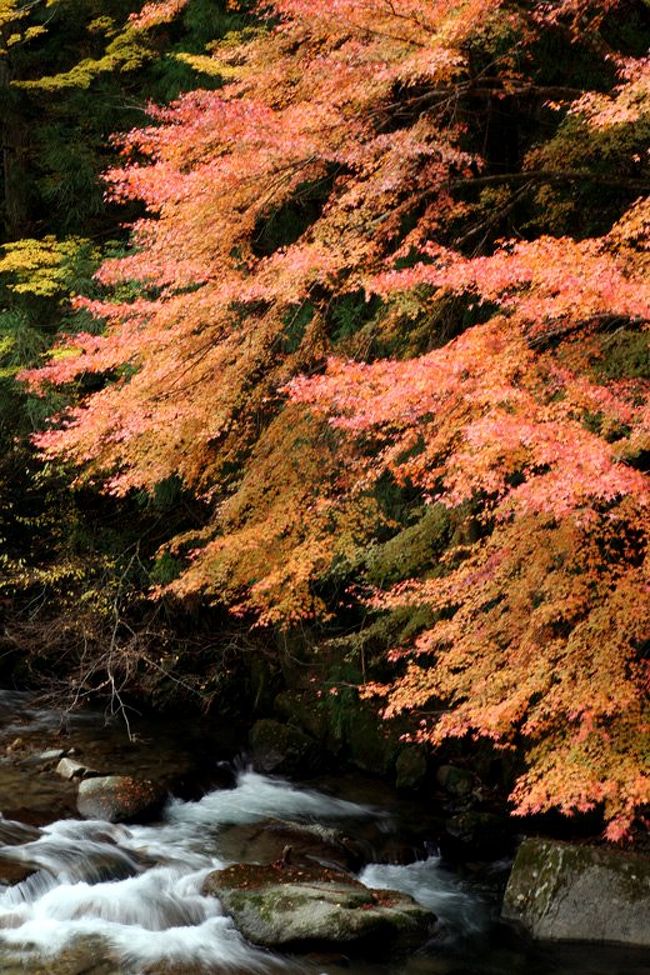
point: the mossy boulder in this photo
(85, 956)
(372, 744)
(564, 892)
(411, 769)
(312, 714)
(281, 749)
(304, 908)
(457, 782)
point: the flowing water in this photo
(115, 900)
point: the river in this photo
(116, 900)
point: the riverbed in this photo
(115, 900)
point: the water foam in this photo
(138, 890)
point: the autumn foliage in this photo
(349, 278)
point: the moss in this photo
(625, 355)
(373, 746)
(545, 869)
(415, 549)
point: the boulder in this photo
(281, 749)
(15, 834)
(84, 956)
(560, 891)
(314, 908)
(373, 745)
(457, 782)
(411, 769)
(119, 798)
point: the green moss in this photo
(415, 549)
(626, 355)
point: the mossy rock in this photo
(85, 956)
(281, 749)
(304, 908)
(311, 714)
(372, 744)
(457, 782)
(411, 769)
(565, 892)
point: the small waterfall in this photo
(101, 899)
(138, 890)
(460, 911)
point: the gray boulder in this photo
(119, 798)
(563, 892)
(303, 908)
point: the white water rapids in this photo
(137, 890)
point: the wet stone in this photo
(455, 781)
(119, 799)
(268, 841)
(280, 749)
(49, 756)
(69, 768)
(14, 833)
(14, 872)
(87, 957)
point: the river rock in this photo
(315, 908)
(119, 798)
(69, 768)
(14, 872)
(309, 844)
(15, 834)
(87, 956)
(283, 750)
(560, 891)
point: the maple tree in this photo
(347, 195)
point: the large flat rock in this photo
(564, 892)
(305, 908)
